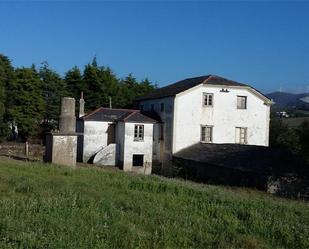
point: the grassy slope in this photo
(45, 206)
(294, 122)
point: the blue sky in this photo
(265, 44)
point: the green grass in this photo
(294, 122)
(45, 206)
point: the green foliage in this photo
(296, 139)
(303, 134)
(27, 101)
(53, 207)
(74, 83)
(131, 89)
(53, 90)
(30, 97)
(99, 84)
(281, 135)
(6, 75)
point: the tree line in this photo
(294, 139)
(30, 97)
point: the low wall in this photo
(291, 186)
(18, 149)
(203, 172)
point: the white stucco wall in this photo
(224, 116)
(95, 137)
(138, 147)
(163, 148)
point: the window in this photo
(162, 107)
(241, 135)
(206, 134)
(141, 107)
(152, 107)
(241, 102)
(138, 132)
(208, 99)
(138, 160)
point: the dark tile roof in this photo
(138, 117)
(260, 159)
(180, 86)
(115, 115)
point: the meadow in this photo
(47, 206)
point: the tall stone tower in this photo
(61, 147)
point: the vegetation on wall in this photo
(30, 97)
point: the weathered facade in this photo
(61, 147)
(117, 137)
(207, 109)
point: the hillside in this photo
(44, 206)
(283, 99)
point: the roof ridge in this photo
(118, 109)
(131, 114)
(93, 112)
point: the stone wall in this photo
(292, 186)
(18, 149)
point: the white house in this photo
(119, 137)
(206, 109)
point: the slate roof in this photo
(116, 115)
(259, 159)
(180, 86)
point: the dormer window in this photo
(241, 102)
(208, 99)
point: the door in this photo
(111, 134)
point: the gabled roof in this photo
(183, 85)
(116, 115)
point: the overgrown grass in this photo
(45, 206)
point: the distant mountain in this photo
(284, 100)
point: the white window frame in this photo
(243, 135)
(208, 137)
(239, 103)
(208, 99)
(139, 132)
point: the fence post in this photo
(27, 149)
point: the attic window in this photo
(138, 132)
(241, 102)
(208, 99)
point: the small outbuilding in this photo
(116, 137)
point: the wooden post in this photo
(27, 149)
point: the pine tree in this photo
(74, 83)
(6, 76)
(27, 101)
(53, 90)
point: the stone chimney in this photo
(81, 105)
(67, 121)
